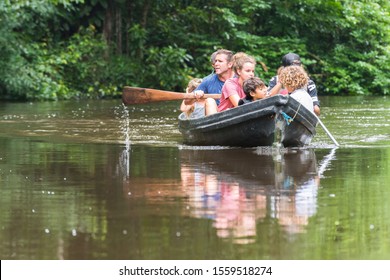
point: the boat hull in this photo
(254, 124)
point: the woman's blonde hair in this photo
(239, 59)
(294, 77)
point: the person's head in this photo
(244, 65)
(212, 58)
(254, 88)
(291, 59)
(293, 78)
(193, 84)
(279, 70)
(223, 61)
(236, 60)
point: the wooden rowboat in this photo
(259, 123)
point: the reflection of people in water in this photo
(299, 185)
(234, 211)
(202, 189)
(294, 208)
(237, 202)
(236, 214)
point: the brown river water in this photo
(96, 180)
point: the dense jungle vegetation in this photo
(63, 49)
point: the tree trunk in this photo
(118, 28)
(145, 14)
(107, 27)
(144, 22)
(128, 19)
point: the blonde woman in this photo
(295, 80)
(232, 91)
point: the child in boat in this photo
(254, 89)
(195, 107)
(295, 79)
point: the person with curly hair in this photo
(275, 87)
(295, 79)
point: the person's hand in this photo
(198, 94)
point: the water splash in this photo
(124, 159)
(126, 127)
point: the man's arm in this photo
(312, 89)
(274, 86)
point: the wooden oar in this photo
(135, 95)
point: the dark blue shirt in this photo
(211, 84)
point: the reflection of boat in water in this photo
(244, 193)
(261, 167)
(240, 188)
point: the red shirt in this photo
(230, 87)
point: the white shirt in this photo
(304, 98)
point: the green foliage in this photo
(364, 50)
(16, 48)
(170, 65)
(83, 64)
(76, 69)
(61, 49)
(27, 69)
